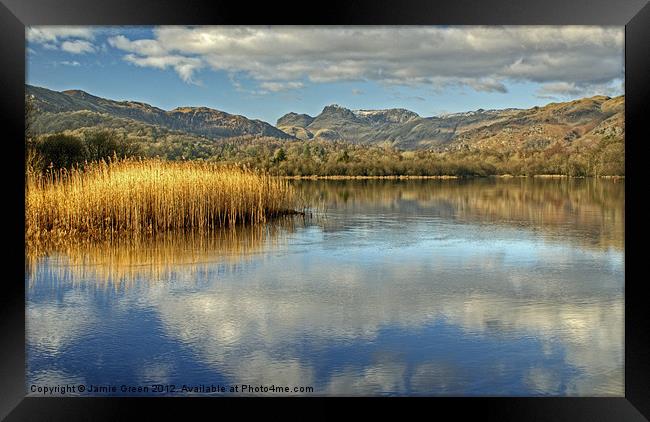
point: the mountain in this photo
(67, 107)
(294, 119)
(579, 123)
(400, 127)
(585, 119)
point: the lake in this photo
(477, 287)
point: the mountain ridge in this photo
(581, 121)
(202, 121)
(407, 130)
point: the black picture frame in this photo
(16, 14)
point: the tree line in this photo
(327, 158)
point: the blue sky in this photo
(265, 72)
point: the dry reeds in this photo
(132, 197)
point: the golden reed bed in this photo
(133, 197)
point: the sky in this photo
(264, 72)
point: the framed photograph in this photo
(378, 200)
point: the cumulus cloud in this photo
(487, 85)
(280, 86)
(54, 34)
(184, 66)
(481, 58)
(71, 39)
(562, 90)
(141, 47)
(77, 47)
(70, 63)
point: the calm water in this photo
(483, 287)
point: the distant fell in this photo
(582, 122)
(200, 121)
(585, 119)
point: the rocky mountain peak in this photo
(392, 115)
(336, 109)
(294, 120)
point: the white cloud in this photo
(78, 47)
(141, 47)
(54, 34)
(70, 63)
(71, 39)
(563, 90)
(481, 58)
(558, 88)
(280, 86)
(184, 66)
(487, 85)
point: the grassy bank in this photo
(116, 197)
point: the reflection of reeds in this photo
(136, 197)
(156, 257)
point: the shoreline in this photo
(444, 177)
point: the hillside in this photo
(582, 123)
(64, 107)
(578, 123)
(583, 120)
(581, 137)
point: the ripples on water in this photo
(479, 287)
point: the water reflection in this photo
(432, 287)
(153, 258)
(593, 211)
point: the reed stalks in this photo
(133, 197)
